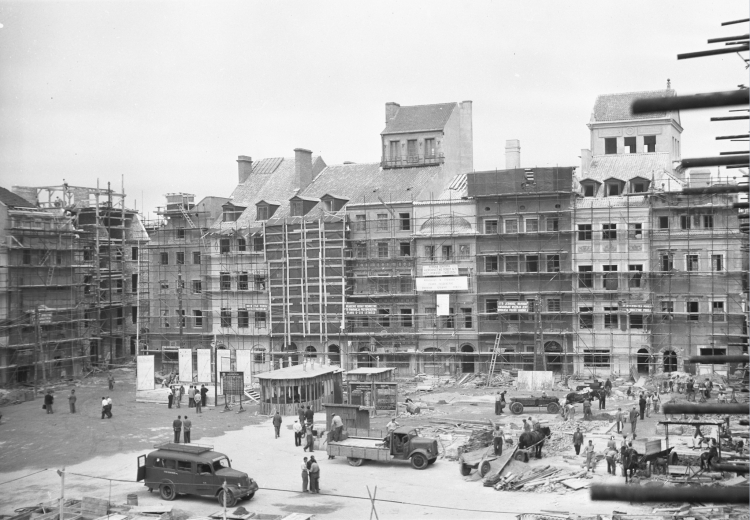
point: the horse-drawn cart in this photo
(517, 404)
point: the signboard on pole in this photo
(386, 396)
(244, 359)
(232, 383)
(443, 283)
(360, 393)
(440, 270)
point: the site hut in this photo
(310, 385)
(368, 374)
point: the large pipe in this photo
(719, 359)
(740, 136)
(703, 409)
(700, 162)
(709, 100)
(713, 52)
(733, 153)
(728, 38)
(625, 493)
(729, 118)
(736, 21)
(729, 188)
(734, 468)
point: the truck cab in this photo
(193, 469)
(405, 443)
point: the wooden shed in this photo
(354, 416)
(368, 374)
(286, 388)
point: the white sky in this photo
(168, 94)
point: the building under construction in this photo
(623, 264)
(69, 281)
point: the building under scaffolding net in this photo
(69, 279)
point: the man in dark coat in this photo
(603, 399)
(48, 401)
(577, 440)
(204, 395)
(633, 420)
(277, 424)
(177, 427)
(642, 405)
(314, 476)
(309, 415)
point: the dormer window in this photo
(265, 209)
(297, 208)
(262, 213)
(333, 203)
(589, 188)
(639, 185)
(613, 187)
(232, 213)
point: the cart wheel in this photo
(465, 469)
(485, 468)
(419, 461)
(553, 408)
(516, 408)
(354, 461)
(231, 501)
(521, 456)
(167, 492)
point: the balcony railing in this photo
(411, 161)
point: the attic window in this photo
(328, 203)
(262, 213)
(589, 189)
(630, 146)
(649, 143)
(297, 208)
(613, 188)
(639, 186)
(610, 145)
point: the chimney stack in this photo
(245, 167)
(390, 111)
(700, 178)
(303, 167)
(585, 160)
(512, 154)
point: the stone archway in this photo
(467, 359)
(334, 354)
(670, 361)
(642, 359)
(311, 352)
(553, 352)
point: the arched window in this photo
(467, 359)
(642, 360)
(334, 354)
(311, 352)
(670, 361)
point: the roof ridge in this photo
(429, 104)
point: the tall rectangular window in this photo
(242, 281)
(663, 222)
(630, 145)
(406, 318)
(553, 263)
(226, 317)
(449, 322)
(635, 230)
(134, 314)
(586, 317)
(258, 243)
(692, 310)
(511, 264)
(134, 253)
(395, 149)
(667, 310)
(667, 262)
(224, 245)
(532, 264)
(262, 213)
(511, 226)
(382, 222)
(180, 232)
(134, 283)
(466, 318)
(610, 277)
(610, 145)
(404, 220)
(243, 319)
(447, 252)
(429, 252)
(260, 319)
(636, 321)
(610, 318)
(708, 221)
(718, 311)
(180, 258)
(384, 317)
(717, 262)
(553, 224)
(360, 222)
(585, 277)
(382, 284)
(636, 272)
(198, 319)
(609, 231)
(464, 251)
(430, 317)
(382, 249)
(490, 264)
(532, 225)
(404, 249)
(412, 151)
(197, 257)
(490, 308)
(241, 244)
(360, 250)
(164, 256)
(225, 282)
(649, 143)
(490, 226)
(584, 231)
(197, 286)
(429, 148)
(691, 263)
(553, 304)
(684, 221)
(404, 284)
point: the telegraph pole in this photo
(37, 347)
(540, 361)
(179, 301)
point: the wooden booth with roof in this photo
(371, 374)
(374, 388)
(286, 388)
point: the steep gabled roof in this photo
(616, 107)
(12, 200)
(419, 118)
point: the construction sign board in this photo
(233, 383)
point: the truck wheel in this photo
(516, 408)
(431, 461)
(553, 408)
(167, 492)
(354, 461)
(465, 469)
(485, 468)
(418, 461)
(231, 501)
(251, 495)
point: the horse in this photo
(528, 439)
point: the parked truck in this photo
(403, 443)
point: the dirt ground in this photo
(85, 444)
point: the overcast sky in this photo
(168, 94)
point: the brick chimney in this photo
(390, 111)
(700, 178)
(512, 154)
(303, 167)
(244, 167)
(585, 160)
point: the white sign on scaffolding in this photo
(361, 308)
(443, 283)
(443, 304)
(440, 270)
(185, 365)
(204, 365)
(145, 370)
(512, 306)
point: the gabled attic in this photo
(333, 203)
(265, 209)
(300, 206)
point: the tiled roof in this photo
(509, 182)
(627, 166)
(12, 200)
(616, 107)
(456, 189)
(419, 118)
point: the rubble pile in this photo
(542, 479)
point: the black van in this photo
(193, 469)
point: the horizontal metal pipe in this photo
(713, 52)
(715, 189)
(729, 118)
(708, 100)
(733, 153)
(741, 205)
(739, 495)
(715, 161)
(719, 359)
(728, 38)
(723, 137)
(701, 408)
(735, 21)
(738, 166)
(735, 468)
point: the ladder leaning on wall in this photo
(493, 359)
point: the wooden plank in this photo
(577, 483)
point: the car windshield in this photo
(221, 464)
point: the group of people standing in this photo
(196, 397)
(310, 475)
(182, 425)
(106, 407)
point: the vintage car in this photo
(193, 469)
(517, 404)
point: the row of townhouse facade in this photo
(419, 263)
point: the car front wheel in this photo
(419, 461)
(230, 500)
(167, 492)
